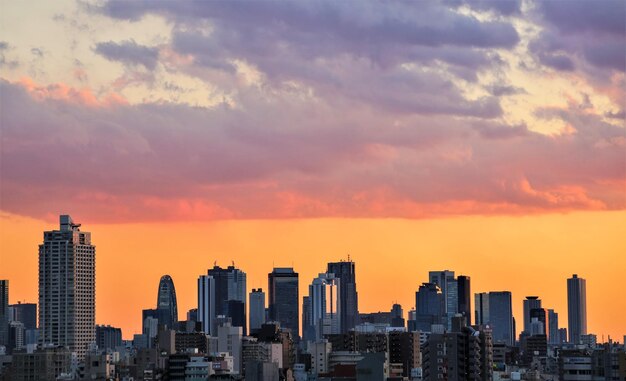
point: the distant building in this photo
(167, 308)
(107, 337)
(530, 303)
(429, 306)
(206, 304)
(345, 271)
(25, 313)
(449, 289)
(284, 298)
(553, 327)
(495, 309)
(67, 287)
(41, 365)
(464, 295)
(257, 309)
(4, 312)
(576, 308)
(325, 301)
(230, 284)
(230, 341)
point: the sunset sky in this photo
(485, 137)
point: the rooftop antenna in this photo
(348, 257)
(215, 263)
(233, 262)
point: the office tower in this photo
(107, 337)
(230, 284)
(429, 306)
(538, 323)
(283, 299)
(67, 287)
(349, 311)
(499, 310)
(325, 311)
(16, 336)
(464, 295)
(4, 312)
(257, 309)
(308, 329)
(167, 307)
(553, 327)
(576, 308)
(529, 303)
(26, 313)
(449, 289)
(229, 339)
(481, 308)
(206, 304)
(397, 316)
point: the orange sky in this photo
(530, 255)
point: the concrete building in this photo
(284, 299)
(206, 304)
(325, 306)
(257, 309)
(4, 312)
(41, 365)
(230, 341)
(530, 303)
(67, 288)
(576, 308)
(320, 352)
(107, 337)
(553, 327)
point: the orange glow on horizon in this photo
(528, 255)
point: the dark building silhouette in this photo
(167, 308)
(4, 312)
(428, 306)
(230, 285)
(26, 313)
(576, 308)
(530, 303)
(108, 337)
(349, 310)
(464, 295)
(284, 299)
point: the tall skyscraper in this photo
(4, 312)
(67, 287)
(230, 285)
(429, 306)
(464, 295)
(283, 299)
(449, 288)
(576, 308)
(553, 327)
(530, 303)
(25, 313)
(495, 309)
(257, 309)
(206, 304)
(349, 311)
(325, 305)
(167, 308)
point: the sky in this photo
(487, 137)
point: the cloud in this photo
(129, 52)
(279, 158)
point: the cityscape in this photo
(284, 333)
(313, 190)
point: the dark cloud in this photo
(129, 52)
(596, 17)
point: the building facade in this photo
(166, 302)
(576, 308)
(257, 309)
(67, 287)
(283, 299)
(345, 271)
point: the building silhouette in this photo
(230, 285)
(530, 303)
(464, 295)
(206, 304)
(429, 306)
(67, 287)
(576, 308)
(495, 309)
(257, 309)
(283, 299)
(4, 312)
(167, 308)
(349, 309)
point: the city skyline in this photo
(517, 299)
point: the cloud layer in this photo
(323, 109)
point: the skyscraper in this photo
(449, 288)
(167, 309)
(206, 304)
(67, 287)
(576, 308)
(257, 309)
(4, 312)
(464, 296)
(496, 310)
(230, 285)
(429, 306)
(283, 298)
(349, 311)
(553, 327)
(530, 303)
(325, 305)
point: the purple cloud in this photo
(129, 52)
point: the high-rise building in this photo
(464, 296)
(107, 337)
(26, 313)
(538, 322)
(283, 299)
(230, 284)
(4, 312)
(576, 308)
(429, 306)
(349, 310)
(325, 305)
(167, 307)
(553, 327)
(308, 329)
(67, 288)
(495, 309)
(529, 303)
(206, 304)
(257, 309)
